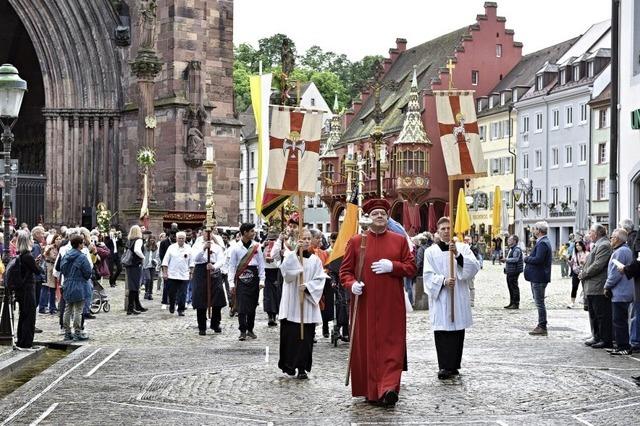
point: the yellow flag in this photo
(463, 221)
(348, 229)
(497, 212)
(260, 90)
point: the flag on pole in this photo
(497, 212)
(260, 86)
(463, 222)
(348, 229)
(459, 134)
(294, 154)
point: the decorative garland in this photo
(146, 157)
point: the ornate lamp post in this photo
(210, 204)
(350, 168)
(12, 89)
(382, 165)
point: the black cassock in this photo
(199, 288)
(272, 290)
(248, 290)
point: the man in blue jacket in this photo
(513, 269)
(537, 271)
(619, 288)
(77, 271)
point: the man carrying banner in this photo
(379, 340)
(246, 267)
(296, 353)
(448, 334)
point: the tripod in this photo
(7, 299)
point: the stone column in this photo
(105, 164)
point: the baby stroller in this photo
(100, 299)
(340, 329)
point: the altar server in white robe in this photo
(296, 353)
(449, 335)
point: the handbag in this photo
(127, 258)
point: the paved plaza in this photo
(155, 368)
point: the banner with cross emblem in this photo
(459, 134)
(294, 151)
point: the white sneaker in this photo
(164, 306)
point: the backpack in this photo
(13, 279)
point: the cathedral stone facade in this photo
(108, 77)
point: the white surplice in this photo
(314, 279)
(436, 270)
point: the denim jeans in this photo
(408, 286)
(634, 335)
(621, 324)
(47, 295)
(538, 289)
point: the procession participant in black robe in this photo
(296, 353)
(246, 266)
(215, 293)
(273, 282)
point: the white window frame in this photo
(252, 160)
(539, 122)
(483, 132)
(591, 66)
(576, 72)
(508, 165)
(490, 101)
(503, 98)
(538, 159)
(241, 192)
(563, 76)
(555, 196)
(525, 124)
(514, 95)
(568, 116)
(252, 194)
(601, 192)
(555, 121)
(584, 113)
(539, 82)
(498, 50)
(475, 77)
(568, 195)
(506, 129)
(568, 155)
(525, 164)
(583, 152)
(603, 156)
(555, 157)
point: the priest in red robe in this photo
(379, 341)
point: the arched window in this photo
(412, 162)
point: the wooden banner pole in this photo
(301, 259)
(452, 270)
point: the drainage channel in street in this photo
(28, 365)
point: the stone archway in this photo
(336, 213)
(81, 71)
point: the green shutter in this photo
(635, 119)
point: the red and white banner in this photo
(294, 151)
(459, 133)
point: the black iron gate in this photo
(29, 199)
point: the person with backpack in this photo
(22, 281)
(76, 269)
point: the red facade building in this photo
(482, 53)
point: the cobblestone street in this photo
(155, 368)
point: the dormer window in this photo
(490, 102)
(503, 98)
(539, 80)
(514, 96)
(576, 72)
(590, 68)
(563, 77)
(479, 105)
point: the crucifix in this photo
(451, 66)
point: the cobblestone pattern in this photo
(166, 373)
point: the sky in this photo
(370, 27)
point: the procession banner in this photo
(294, 150)
(260, 91)
(459, 134)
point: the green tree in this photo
(242, 91)
(329, 84)
(270, 50)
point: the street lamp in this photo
(12, 89)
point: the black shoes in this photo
(590, 342)
(203, 332)
(216, 329)
(272, 322)
(133, 312)
(180, 313)
(512, 306)
(89, 316)
(141, 309)
(251, 334)
(600, 345)
(444, 374)
(302, 375)
(243, 336)
(390, 398)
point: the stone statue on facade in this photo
(195, 152)
(147, 22)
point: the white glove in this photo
(382, 266)
(357, 288)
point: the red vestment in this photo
(380, 334)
